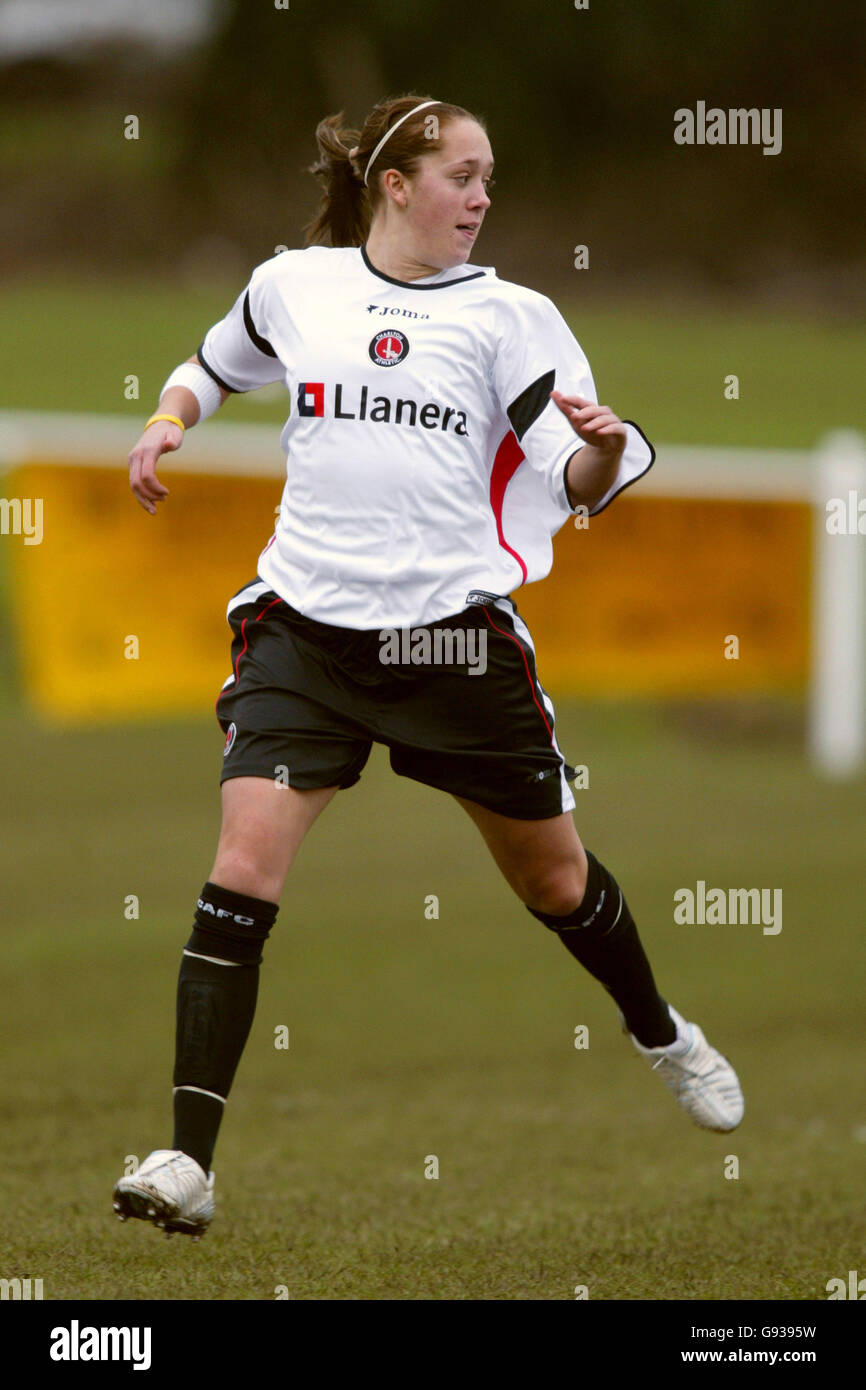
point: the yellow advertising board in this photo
(107, 572)
(119, 614)
(646, 599)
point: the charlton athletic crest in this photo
(230, 739)
(389, 347)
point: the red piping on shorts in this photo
(258, 619)
(512, 637)
(509, 457)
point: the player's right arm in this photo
(163, 436)
(235, 356)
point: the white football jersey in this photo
(424, 458)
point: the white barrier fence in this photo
(837, 722)
(832, 478)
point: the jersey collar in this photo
(414, 284)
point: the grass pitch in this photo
(412, 1037)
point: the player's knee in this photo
(555, 889)
(246, 869)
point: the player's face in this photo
(449, 195)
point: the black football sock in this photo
(601, 934)
(216, 1003)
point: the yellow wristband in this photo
(172, 419)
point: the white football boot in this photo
(703, 1081)
(171, 1190)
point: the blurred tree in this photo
(580, 107)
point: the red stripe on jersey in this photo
(519, 647)
(509, 457)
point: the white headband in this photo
(391, 130)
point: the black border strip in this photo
(261, 343)
(636, 479)
(410, 284)
(210, 371)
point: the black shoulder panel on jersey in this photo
(210, 371)
(525, 410)
(261, 343)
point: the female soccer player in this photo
(443, 426)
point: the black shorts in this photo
(457, 703)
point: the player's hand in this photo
(160, 438)
(595, 424)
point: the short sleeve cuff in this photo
(637, 459)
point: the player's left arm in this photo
(593, 469)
